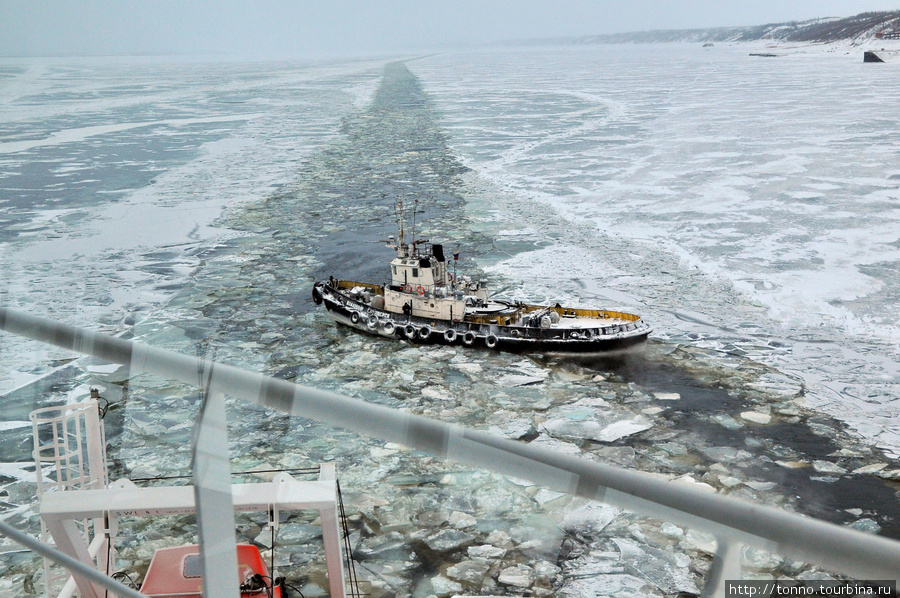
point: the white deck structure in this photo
(80, 511)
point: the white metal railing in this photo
(732, 521)
(70, 441)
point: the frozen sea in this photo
(753, 204)
(746, 207)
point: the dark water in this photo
(791, 438)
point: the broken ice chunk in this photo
(667, 396)
(828, 467)
(756, 417)
(588, 518)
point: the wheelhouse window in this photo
(415, 273)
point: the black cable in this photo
(168, 477)
(285, 584)
(279, 582)
(272, 559)
(256, 584)
(248, 472)
(348, 549)
(104, 408)
(123, 575)
(108, 544)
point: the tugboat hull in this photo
(481, 332)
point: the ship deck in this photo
(581, 323)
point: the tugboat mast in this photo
(403, 248)
(412, 239)
(400, 246)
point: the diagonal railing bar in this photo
(70, 563)
(837, 548)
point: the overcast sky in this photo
(299, 28)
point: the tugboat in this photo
(425, 303)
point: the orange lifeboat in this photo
(177, 572)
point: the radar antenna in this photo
(413, 236)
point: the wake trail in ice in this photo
(611, 110)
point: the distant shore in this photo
(864, 28)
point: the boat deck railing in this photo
(732, 521)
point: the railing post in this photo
(212, 494)
(331, 537)
(726, 565)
